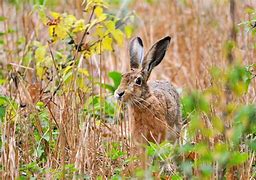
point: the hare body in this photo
(167, 94)
(154, 107)
(157, 117)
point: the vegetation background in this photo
(62, 60)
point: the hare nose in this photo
(120, 94)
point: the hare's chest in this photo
(148, 124)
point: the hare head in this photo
(134, 83)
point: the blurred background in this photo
(200, 31)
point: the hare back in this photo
(166, 93)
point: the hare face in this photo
(132, 86)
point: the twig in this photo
(19, 65)
(85, 32)
(53, 59)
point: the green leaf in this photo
(40, 104)
(3, 100)
(195, 101)
(186, 148)
(195, 124)
(239, 79)
(237, 158)
(108, 87)
(151, 149)
(115, 151)
(176, 177)
(221, 153)
(2, 112)
(11, 31)
(2, 81)
(41, 2)
(116, 77)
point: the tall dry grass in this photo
(199, 30)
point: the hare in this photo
(154, 107)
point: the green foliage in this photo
(194, 102)
(161, 151)
(67, 172)
(115, 151)
(28, 170)
(245, 124)
(3, 103)
(238, 80)
(116, 78)
(96, 105)
(205, 123)
(246, 116)
(9, 105)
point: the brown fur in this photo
(154, 107)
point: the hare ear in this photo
(155, 55)
(136, 52)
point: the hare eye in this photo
(138, 81)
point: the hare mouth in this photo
(121, 99)
(124, 98)
(118, 97)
